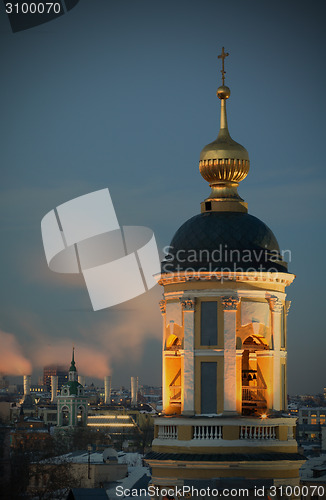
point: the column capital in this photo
(188, 304)
(230, 302)
(287, 306)
(162, 304)
(275, 304)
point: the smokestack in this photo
(27, 384)
(54, 388)
(134, 390)
(107, 390)
(82, 380)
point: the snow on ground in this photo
(138, 476)
(131, 459)
(306, 470)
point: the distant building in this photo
(28, 422)
(5, 411)
(150, 394)
(72, 403)
(114, 423)
(323, 438)
(60, 371)
(39, 389)
(48, 414)
(88, 469)
(149, 389)
(4, 383)
(309, 426)
(30, 433)
(313, 478)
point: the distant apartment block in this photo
(60, 371)
(310, 422)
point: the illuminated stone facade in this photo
(224, 314)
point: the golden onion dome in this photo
(224, 161)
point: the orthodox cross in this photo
(223, 56)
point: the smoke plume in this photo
(90, 361)
(12, 360)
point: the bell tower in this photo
(224, 352)
(72, 404)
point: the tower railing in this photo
(212, 431)
(258, 432)
(168, 432)
(204, 432)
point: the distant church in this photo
(224, 310)
(72, 405)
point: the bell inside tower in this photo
(254, 387)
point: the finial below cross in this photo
(223, 56)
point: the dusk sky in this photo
(122, 94)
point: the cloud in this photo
(124, 334)
(90, 360)
(33, 268)
(50, 311)
(107, 341)
(12, 360)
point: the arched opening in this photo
(254, 387)
(80, 415)
(173, 346)
(255, 342)
(65, 416)
(173, 372)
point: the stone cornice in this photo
(259, 277)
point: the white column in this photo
(165, 389)
(230, 304)
(54, 388)
(134, 390)
(276, 308)
(188, 382)
(107, 389)
(27, 384)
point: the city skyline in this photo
(129, 107)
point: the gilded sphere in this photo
(223, 92)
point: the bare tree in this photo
(51, 479)
(67, 440)
(4, 461)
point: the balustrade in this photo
(167, 432)
(258, 432)
(204, 432)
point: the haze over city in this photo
(122, 95)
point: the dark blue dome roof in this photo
(229, 240)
